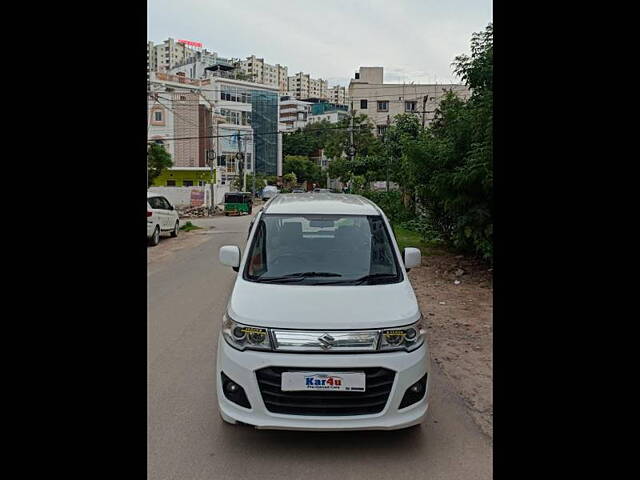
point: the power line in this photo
(363, 127)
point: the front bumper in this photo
(241, 367)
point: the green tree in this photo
(451, 164)
(289, 179)
(364, 141)
(158, 160)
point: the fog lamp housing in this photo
(234, 392)
(414, 393)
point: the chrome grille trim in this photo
(326, 341)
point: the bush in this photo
(392, 205)
(424, 226)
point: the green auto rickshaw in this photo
(238, 203)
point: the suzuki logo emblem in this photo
(326, 341)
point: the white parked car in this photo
(162, 218)
(322, 330)
(269, 191)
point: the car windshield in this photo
(322, 250)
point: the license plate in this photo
(334, 381)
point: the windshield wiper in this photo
(361, 280)
(294, 277)
(375, 276)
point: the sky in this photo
(414, 40)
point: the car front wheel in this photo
(175, 231)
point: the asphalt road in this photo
(187, 292)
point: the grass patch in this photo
(408, 238)
(187, 227)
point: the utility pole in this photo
(244, 167)
(239, 158)
(253, 164)
(388, 158)
(424, 108)
(351, 151)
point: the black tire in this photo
(155, 238)
(176, 229)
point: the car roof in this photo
(321, 203)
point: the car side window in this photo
(154, 202)
(165, 203)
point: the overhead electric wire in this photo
(363, 127)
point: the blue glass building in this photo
(264, 121)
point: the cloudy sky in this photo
(414, 40)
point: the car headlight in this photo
(403, 338)
(245, 337)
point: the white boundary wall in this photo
(181, 196)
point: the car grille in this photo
(372, 400)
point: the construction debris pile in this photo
(201, 211)
(189, 212)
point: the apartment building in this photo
(265, 73)
(303, 87)
(381, 102)
(337, 94)
(169, 53)
(152, 60)
(181, 115)
(294, 114)
(332, 116)
(241, 116)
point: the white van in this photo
(322, 330)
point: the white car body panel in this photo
(331, 307)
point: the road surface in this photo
(187, 293)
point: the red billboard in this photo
(190, 43)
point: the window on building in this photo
(157, 116)
(383, 106)
(363, 104)
(171, 183)
(248, 162)
(410, 106)
(381, 130)
(187, 183)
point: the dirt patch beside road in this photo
(168, 246)
(460, 327)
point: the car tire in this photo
(155, 238)
(176, 229)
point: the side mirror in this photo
(412, 258)
(230, 256)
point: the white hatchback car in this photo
(322, 330)
(162, 217)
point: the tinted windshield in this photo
(322, 249)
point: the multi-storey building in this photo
(303, 87)
(216, 117)
(294, 114)
(152, 60)
(264, 73)
(338, 94)
(170, 53)
(381, 102)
